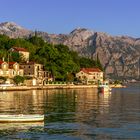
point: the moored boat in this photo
(104, 87)
(21, 118)
(6, 85)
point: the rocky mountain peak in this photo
(83, 32)
(10, 26)
(13, 30)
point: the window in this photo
(29, 67)
(44, 74)
(84, 77)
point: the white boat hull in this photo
(21, 118)
(104, 89)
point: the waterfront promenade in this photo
(52, 86)
(17, 88)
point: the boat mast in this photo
(139, 68)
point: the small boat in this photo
(21, 118)
(6, 85)
(104, 87)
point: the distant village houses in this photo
(90, 75)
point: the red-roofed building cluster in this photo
(10, 69)
(36, 72)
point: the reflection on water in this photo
(20, 126)
(24, 102)
(73, 114)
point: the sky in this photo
(115, 17)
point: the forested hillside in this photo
(57, 59)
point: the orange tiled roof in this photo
(89, 70)
(20, 49)
(1, 62)
(12, 63)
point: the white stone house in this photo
(90, 75)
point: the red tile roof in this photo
(19, 49)
(12, 63)
(88, 70)
(1, 62)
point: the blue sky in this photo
(116, 17)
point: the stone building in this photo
(35, 71)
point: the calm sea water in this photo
(80, 114)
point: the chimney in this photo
(3, 59)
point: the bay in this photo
(74, 114)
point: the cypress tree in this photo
(98, 63)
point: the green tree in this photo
(18, 79)
(86, 62)
(2, 79)
(3, 54)
(35, 40)
(70, 77)
(16, 57)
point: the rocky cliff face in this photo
(119, 55)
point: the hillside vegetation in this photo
(61, 62)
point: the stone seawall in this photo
(22, 88)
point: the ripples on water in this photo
(74, 114)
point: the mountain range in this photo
(120, 55)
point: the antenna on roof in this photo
(35, 33)
(139, 67)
